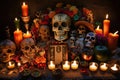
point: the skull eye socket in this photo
(56, 24)
(87, 37)
(92, 38)
(64, 24)
(9, 51)
(26, 47)
(33, 47)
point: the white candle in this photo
(103, 67)
(66, 66)
(51, 65)
(93, 66)
(114, 67)
(74, 65)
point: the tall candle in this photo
(24, 9)
(106, 26)
(98, 30)
(18, 36)
(27, 35)
(113, 40)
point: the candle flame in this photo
(115, 32)
(16, 19)
(17, 29)
(19, 64)
(9, 63)
(98, 27)
(27, 32)
(24, 3)
(106, 16)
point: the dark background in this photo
(9, 9)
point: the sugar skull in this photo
(7, 50)
(44, 32)
(29, 49)
(90, 40)
(61, 26)
(81, 31)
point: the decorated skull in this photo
(7, 50)
(61, 26)
(72, 41)
(81, 31)
(44, 32)
(28, 48)
(90, 40)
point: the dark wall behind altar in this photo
(9, 9)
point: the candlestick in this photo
(18, 36)
(103, 66)
(66, 66)
(24, 9)
(74, 65)
(51, 65)
(27, 35)
(106, 25)
(113, 40)
(93, 66)
(16, 21)
(10, 65)
(98, 30)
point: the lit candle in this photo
(10, 65)
(103, 67)
(98, 30)
(16, 21)
(74, 65)
(106, 25)
(27, 35)
(113, 40)
(66, 66)
(18, 36)
(18, 64)
(114, 68)
(93, 66)
(51, 65)
(24, 9)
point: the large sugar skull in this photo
(7, 50)
(44, 32)
(61, 26)
(28, 48)
(90, 40)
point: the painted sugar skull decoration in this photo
(61, 26)
(7, 50)
(90, 40)
(44, 32)
(29, 49)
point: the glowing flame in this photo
(98, 27)
(115, 32)
(23, 3)
(106, 16)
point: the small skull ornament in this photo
(72, 41)
(90, 40)
(44, 32)
(7, 50)
(29, 50)
(81, 31)
(61, 26)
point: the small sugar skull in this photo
(44, 32)
(28, 48)
(61, 26)
(90, 40)
(81, 31)
(7, 50)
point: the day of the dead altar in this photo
(63, 43)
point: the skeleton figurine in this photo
(90, 40)
(29, 50)
(61, 26)
(7, 53)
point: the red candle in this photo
(113, 40)
(18, 36)
(27, 35)
(98, 30)
(106, 25)
(24, 9)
